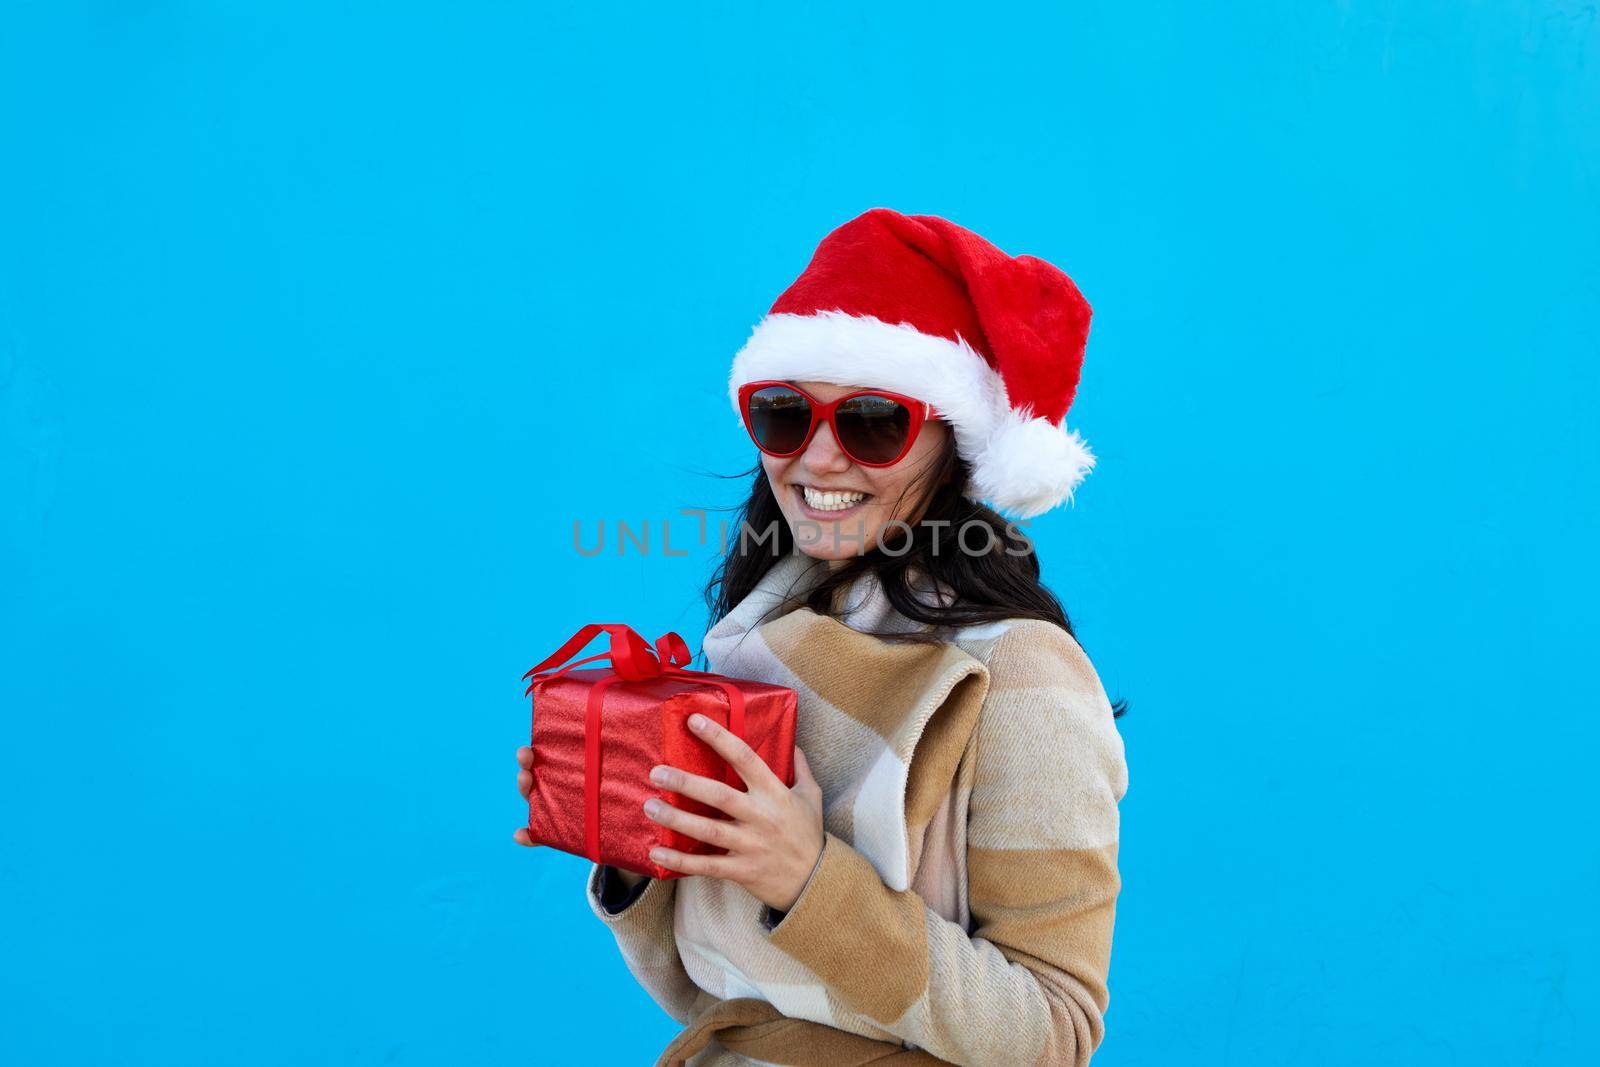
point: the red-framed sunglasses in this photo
(874, 428)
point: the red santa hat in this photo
(918, 305)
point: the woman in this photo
(939, 884)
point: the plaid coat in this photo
(962, 908)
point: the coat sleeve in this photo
(1027, 983)
(643, 929)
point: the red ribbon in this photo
(632, 660)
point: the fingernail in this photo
(698, 721)
(657, 855)
(652, 807)
(658, 775)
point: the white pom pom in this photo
(1030, 465)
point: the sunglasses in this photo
(873, 427)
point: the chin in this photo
(836, 540)
(825, 549)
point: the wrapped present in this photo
(598, 731)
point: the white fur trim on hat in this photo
(1020, 464)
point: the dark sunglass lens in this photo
(779, 419)
(873, 429)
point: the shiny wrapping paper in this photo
(642, 723)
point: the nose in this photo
(823, 455)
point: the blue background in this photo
(320, 325)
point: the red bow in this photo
(632, 660)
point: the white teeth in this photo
(831, 501)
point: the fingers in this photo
(740, 756)
(712, 866)
(718, 832)
(524, 786)
(719, 795)
(804, 780)
(802, 767)
(525, 776)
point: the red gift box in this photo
(597, 733)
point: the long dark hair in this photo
(989, 586)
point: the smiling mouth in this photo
(830, 503)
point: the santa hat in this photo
(917, 305)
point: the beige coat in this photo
(963, 906)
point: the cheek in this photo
(888, 487)
(776, 470)
(898, 488)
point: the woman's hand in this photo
(774, 838)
